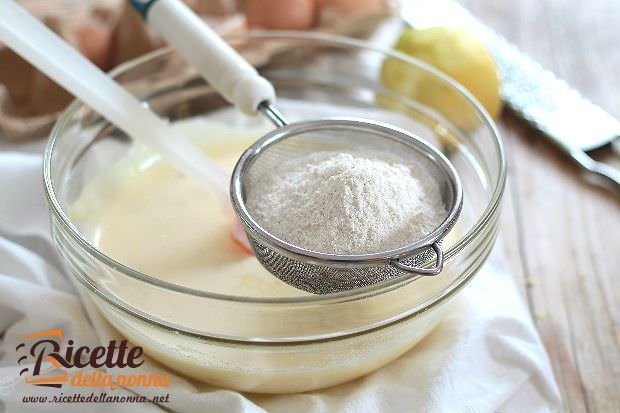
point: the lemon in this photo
(458, 55)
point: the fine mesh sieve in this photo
(323, 273)
(239, 83)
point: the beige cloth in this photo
(485, 356)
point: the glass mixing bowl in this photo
(280, 344)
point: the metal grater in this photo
(533, 93)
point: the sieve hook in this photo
(422, 271)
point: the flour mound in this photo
(347, 203)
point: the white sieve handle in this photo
(228, 72)
(423, 271)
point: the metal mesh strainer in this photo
(240, 83)
(323, 273)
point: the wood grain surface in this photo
(562, 235)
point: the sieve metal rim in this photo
(391, 257)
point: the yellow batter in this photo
(143, 213)
(155, 221)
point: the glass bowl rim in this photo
(341, 41)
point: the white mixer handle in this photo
(228, 72)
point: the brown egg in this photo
(281, 14)
(333, 12)
(353, 7)
(94, 40)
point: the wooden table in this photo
(562, 235)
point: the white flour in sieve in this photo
(347, 203)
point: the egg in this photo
(353, 7)
(332, 12)
(94, 40)
(281, 14)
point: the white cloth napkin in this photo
(485, 356)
